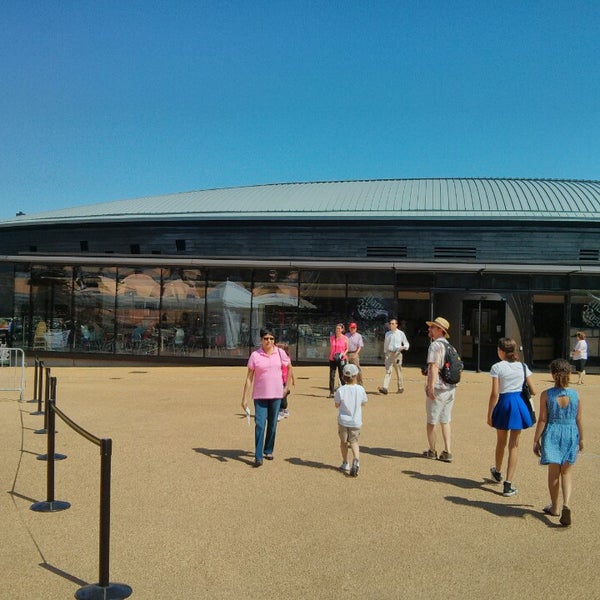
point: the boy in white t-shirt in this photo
(349, 399)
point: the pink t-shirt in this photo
(268, 379)
(338, 345)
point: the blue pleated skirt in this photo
(510, 412)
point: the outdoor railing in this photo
(103, 589)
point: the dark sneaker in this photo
(382, 390)
(401, 391)
(354, 468)
(496, 475)
(445, 456)
(509, 490)
(432, 454)
(257, 463)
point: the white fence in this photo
(12, 370)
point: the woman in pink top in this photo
(338, 356)
(265, 379)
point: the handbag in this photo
(526, 395)
(338, 358)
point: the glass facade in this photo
(217, 313)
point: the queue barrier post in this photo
(38, 385)
(104, 589)
(52, 398)
(50, 504)
(46, 400)
(36, 366)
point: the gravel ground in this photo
(191, 518)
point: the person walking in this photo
(579, 355)
(559, 437)
(349, 399)
(338, 355)
(355, 345)
(507, 412)
(394, 344)
(265, 380)
(288, 379)
(439, 395)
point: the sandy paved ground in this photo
(192, 519)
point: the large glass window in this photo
(370, 305)
(51, 317)
(275, 304)
(182, 311)
(138, 328)
(94, 309)
(231, 319)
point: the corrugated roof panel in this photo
(434, 199)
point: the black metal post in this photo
(50, 505)
(35, 379)
(39, 379)
(52, 399)
(104, 589)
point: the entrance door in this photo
(483, 325)
(548, 329)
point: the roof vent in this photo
(458, 252)
(589, 254)
(387, 251)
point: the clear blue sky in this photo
(113, 99)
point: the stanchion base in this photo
(37, 412)
(53, 506)
(42, 431)
(32, 400)
(114, 591)
(56, 456)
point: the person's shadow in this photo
(505, 510)
(388, 452)
(460, 482)
(313, 464)
(226, 454)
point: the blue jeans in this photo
(265, 414)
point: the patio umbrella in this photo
(139, 284)
(274, 299)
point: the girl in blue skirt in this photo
(507, 412)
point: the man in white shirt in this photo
(394, 344)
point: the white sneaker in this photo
(345, 467)
(280, 416)
(286, 413)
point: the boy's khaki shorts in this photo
(349, 435)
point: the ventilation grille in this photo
(589, 254)
(458, 252)
(387, 252)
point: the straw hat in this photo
(442, 324)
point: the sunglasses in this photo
(269, 339)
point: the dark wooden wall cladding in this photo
(466, 241)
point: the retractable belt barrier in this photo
(12, 370)
(103, 589)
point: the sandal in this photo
(547, 510)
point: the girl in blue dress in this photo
(559, 437)
(507, 412)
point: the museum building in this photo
(192, 277)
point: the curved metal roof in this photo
(407, 199)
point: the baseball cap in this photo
(350, 370)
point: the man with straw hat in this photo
(439, 394)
